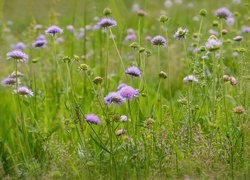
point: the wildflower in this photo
(38, 26)
(16, 74)
(130, 37)
(120, 132)
(213, 32)
(223, 13)
(92, 118)
(121, 86)
(168, 3)
(123, 118)
(158, 41)
(238, 38)
(10, 81)
(19, 46)
(235, 54)
(163, 75)
(245, 29)
(106, 22)
(190, 78)
(114, 97)
(41, 37)
(226, 77)
(39, 43)
(233, 81)
(59, 40)
(130, 31)
(24, 91)
(141, 13)
(133, 71)
(53, 30)
(180, 33)
(213, 44)
(203, 12)
(107, 12)
(236, 1)
(128, 92)
(239, 110)
(230, 21)
(70, 28)
(224, 31)
(18, 55)
(163, 18)
(98, 80)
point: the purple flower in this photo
(190, 78)
(70, 28)
(59, 40)
(130, 37)
(230, 21)
(128, 92)
(123, 118)
(245, 29)
(39, 44)
(121, 86)
(223, 13)
(133, 71)
(130, 31)
(19, 46)
(10, 81)
(180, 33)
(238, 38)
(213, 32)
(92, 118)
(106, 22)
(213, 44)
(120, 132)
(41, 37)
(38, 26)
(114, 97)
(168, 3)
(53, 30)
(158, 41)
(24, 91)
(18, 55)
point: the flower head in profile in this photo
(53, 30)
(158, 41)
(92, 118)
(24, 91)
(128, 92)
(120, 132)
(190, 78)
(18, 55)
(39, 43)
(180, 33)
(213, 43)
(245, 29)
(223, 13)
(70, 28)
(10, 81)
(130, 37)
(133, 71)
(121, 86)
(114, 98)
(123, 118)
(106, 22)
(19, 46)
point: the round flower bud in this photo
(98, 80)
(107, 12)
(215, 23)
(239, 110)
(224, 31)
(84, 67)
(163, 18)
(66, 59)
(203, 12)
(141, 50)
(163, 75)
(202, 48)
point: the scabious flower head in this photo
(123, 118)
(190, 78)
(59, 40)
(128, 92)
(245, 29)
(18, 55)
(114, 98)
(130, 31)
(120, 132)
(70, 28)
(19, 46)
(168, 3)
(9, 81)
(121, 86)
(180, 33)
(92, 118)
(41, 37)
(158, 41)
(38, 26)
(133, 71)
(24, 91)
(130, 37)
(239, 110)
(213, 43)
(230, 21)
(106, 22)
(238, 38)
(39, 43)
(223, 13)
(53, 30)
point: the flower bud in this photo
(84, 67)
(163, 75)
(98, 80)
(107, 12)
(203, 12)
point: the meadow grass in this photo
(183, 113)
